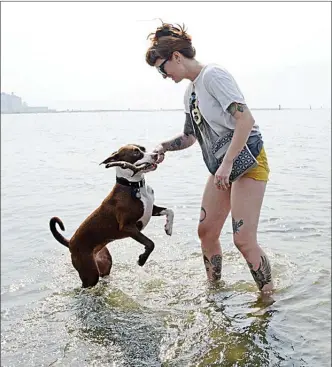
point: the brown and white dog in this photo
(124, 213)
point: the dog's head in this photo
(133, 157)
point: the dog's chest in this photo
(147, 199)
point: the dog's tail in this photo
(59, 237)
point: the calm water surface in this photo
(164, 314)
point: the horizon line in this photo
(152, 110)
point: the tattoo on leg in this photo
(203, 215)
(262, 275)
(216, 264)
(236, 225)
(216, 261)
(206, 263)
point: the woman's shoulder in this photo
(213, 72)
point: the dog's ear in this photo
(112, 158)
(140, 147)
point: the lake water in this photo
(164, 314)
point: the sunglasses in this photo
(161, 67)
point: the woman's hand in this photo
(161, 153)
(221, 178)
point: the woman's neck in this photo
(193, 69)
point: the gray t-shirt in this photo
(215, 90)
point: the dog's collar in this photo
(125, 182)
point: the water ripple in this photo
(164, 314)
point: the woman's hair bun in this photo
(169, 30)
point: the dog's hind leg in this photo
(157, 211)
(104, 262)
(87, 269)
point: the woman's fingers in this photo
(221, 182)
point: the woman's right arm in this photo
(179, 142)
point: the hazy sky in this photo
(92, 55)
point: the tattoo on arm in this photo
(236, 225)
(184, 140)
(234, 107)
(178, 143)
(215, 264)
(262, 275)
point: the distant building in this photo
(10, 103)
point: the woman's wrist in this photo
(228, 160)
(164, 147)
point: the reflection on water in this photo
(204, 333)
(214, 328)
(164, 314)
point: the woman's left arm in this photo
(243, 126)
(223, 87)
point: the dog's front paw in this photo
(169, 222)
(169, 228)
(141, 259)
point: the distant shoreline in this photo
(150, 110)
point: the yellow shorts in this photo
(261, 172)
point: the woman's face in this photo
(172, 68)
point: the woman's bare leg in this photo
(214, 211)
(246, 201)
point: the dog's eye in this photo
(137, 151)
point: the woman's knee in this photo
(208, 232)
(245, 243)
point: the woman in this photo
(215, 110)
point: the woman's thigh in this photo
(247, 197)
(215, 208)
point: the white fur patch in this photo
(147, 158)
(128, 174)
(169, 220)
(147, 198)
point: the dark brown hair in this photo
(167, 39)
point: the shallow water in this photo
(164, 314)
